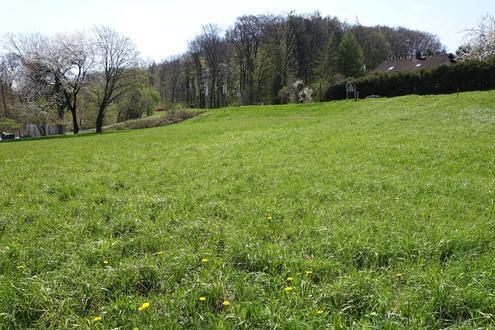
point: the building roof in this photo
(410, 63)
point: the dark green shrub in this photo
(465, 76)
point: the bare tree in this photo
(195, 53)
(405, 42)
(246, 37)
(116, 56)
(212, 47)
(170, 72)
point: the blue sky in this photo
(163, 28)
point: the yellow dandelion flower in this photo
(105, 262)
(202, 298)
(144, 306)
(226, 303)
(20, 267)
(269, 218)
(204, 260)
(288, 289)
(97, 318)
(309, 272)
(319, 312)
(135, 328)
(289, 279)
(399, 274)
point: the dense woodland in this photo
(259, 58)
(87, 80)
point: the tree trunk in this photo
(72, 105)
(60, 111)
(4, 101)
(41, 129)
(99, 120)
(75, 123)
(74, 119)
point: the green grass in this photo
(382, 211)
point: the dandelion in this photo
(20, 267)
(144, 306)
(309, 272)
(288, 289)
(226, 303)
(97, 318)
(204, 260)
(202, 298)
(105, 262)
(319, 312)
(289, 279)
(269, 218)
(135, 328)
(399, 275)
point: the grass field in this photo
(378, 213)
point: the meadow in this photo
(378, 213)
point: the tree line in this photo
(264, 58)
(93, 78)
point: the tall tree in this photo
(195, 53)
(350, 56)
(116, 56)
(246, 38)
(9, 66)
(405, 42)
(72, 58)
(211, 46)
(38, 79)
(375, 46)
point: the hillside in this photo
(373, 213)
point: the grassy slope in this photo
(381, 211)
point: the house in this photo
(411, 63)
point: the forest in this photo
(259, 58)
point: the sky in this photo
(162, 28)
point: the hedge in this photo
(464, 76)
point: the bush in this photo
(465, 76)
(295, 93)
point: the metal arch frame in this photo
(350, 87)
